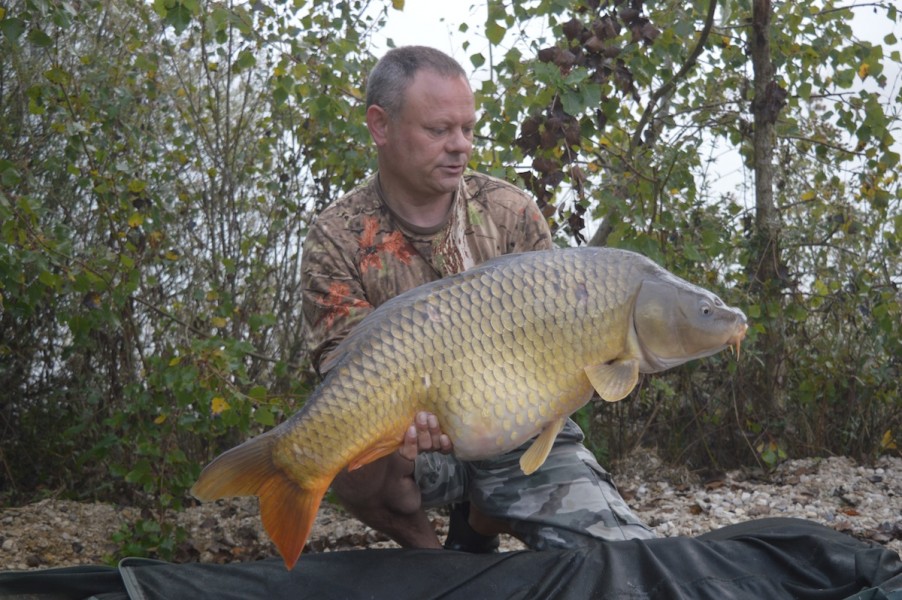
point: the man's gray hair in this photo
(395, 71)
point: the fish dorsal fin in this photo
(615, 380)
(535, 455)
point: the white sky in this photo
(430, 23)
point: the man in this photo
(420, 218)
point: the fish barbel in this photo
(500, 353)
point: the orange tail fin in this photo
(287, 509)
(288, 513)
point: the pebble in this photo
(862, 500)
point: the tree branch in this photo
(671, 84)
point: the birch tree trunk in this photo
(766, 267)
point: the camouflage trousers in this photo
(569, 502)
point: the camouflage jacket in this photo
(358, 253)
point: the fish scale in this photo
(500, 353)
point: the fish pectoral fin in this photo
(381, 448)
(615, 380)
(535, 455)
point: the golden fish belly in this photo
(490, 402)
(503, 425)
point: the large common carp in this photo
(500, 353)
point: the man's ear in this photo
(377, 121)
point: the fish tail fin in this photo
(288, 512)
(241, 471)
(287, 509)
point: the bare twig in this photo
(668, 87)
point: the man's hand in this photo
(383, 493)
(424, 435)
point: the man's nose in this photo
(460, 141)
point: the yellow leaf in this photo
(397, 4)
(888, 442)
(172, 255)
(176, 360)
(806, 196)
(135, 220)
(219, 405)
(864, 70)
(160, 420)
(218, 322)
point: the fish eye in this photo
(706, 309)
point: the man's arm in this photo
(532, 230)
(333, 299)
(383, 493)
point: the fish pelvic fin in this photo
(615, 380)
(382, 447)
(287, 509)
(535, 455)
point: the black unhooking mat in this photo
(766, 559)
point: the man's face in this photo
(427, 146)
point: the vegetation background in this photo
(161, 161)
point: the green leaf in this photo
(264, 416)
(39, 38)
(259, 320)
(12, 29)
(692, 253)
(754, 311)
(140, 473)
(279, 95)
(179, 16)
(796, 312)
(246, 60)
(495, 32)
(9, 176)
(57, 75)
(161, 7)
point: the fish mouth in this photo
(736, 341)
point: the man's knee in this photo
(361, 495)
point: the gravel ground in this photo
(862, 500)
